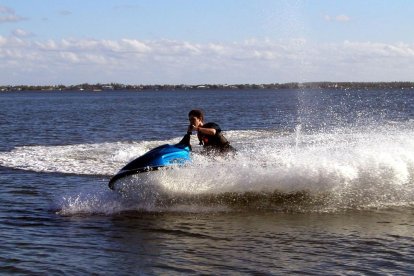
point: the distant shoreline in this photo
(275, 86)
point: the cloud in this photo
(21, 33)
(126, 7)
(338, 18)
(65, 12)
(130, 45)
(135, 61)
(8, 15)
(342, 18)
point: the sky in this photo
(50, 42)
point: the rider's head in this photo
(195, 114)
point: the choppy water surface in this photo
(322, 183)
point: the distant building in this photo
(107, 87)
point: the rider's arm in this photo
(206, 131)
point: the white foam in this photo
(83, 159)
(354, 166)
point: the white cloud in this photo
(47, 45)
(8, 15)
(167, 61)
(70, 57)
(337, 18)
(380, 50)
(342, 18)
(3, 40)
(133, 45)
(21, 33)
(65, 12)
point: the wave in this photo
(299, 171)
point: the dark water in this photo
(323, 183)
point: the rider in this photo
(208, 134)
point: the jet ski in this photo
(159, 157)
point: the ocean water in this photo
(322, 183)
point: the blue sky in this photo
(211, 41)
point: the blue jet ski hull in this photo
(162, 156)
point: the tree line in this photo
(169, 87)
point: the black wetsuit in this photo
(216, 142)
